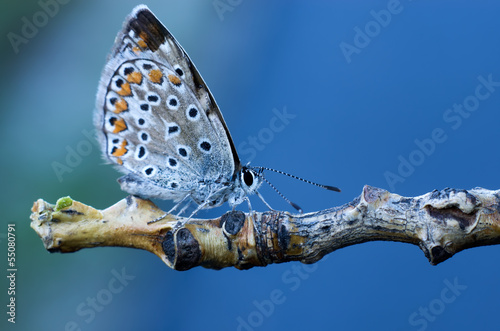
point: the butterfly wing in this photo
(156, 118)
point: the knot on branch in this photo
(231, 223)
(182, 250)
(274, 241)
(215, 244)
(189, 246)
(373, 194)
(450, 212)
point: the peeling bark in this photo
(441, 223)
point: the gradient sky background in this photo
(356, 118)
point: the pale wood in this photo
(441, 223)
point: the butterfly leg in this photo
(249, 204)
(184, 208)
(200, 207)
(174, 208)
(262, 198)
(171, 210)
(181, 223)
(158, 219)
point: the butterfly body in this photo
(159, 124)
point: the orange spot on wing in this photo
(125, 89)
(119, 161)
(120, 125)
(120, 106)
(155, 76)
(135, 77)
(136, 49)
(143, 41)
(120, 151)
(174, 80)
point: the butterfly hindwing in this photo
(156, 118)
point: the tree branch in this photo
(441, 223)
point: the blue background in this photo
(355, 118)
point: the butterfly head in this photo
(250, 179)
(247, 182)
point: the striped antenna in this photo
(327, 187)
(294, 205)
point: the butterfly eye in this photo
(248, 177)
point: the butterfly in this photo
(159, 124)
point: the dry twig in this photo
(441, 223)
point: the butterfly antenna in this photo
(327, 187)
(294, 205)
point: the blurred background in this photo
(364, 84)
